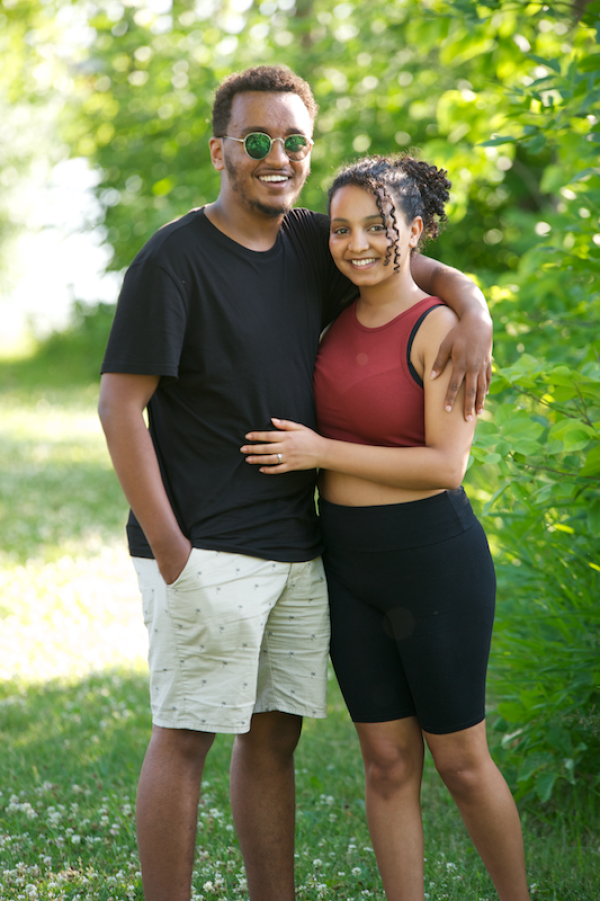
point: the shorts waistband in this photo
(390, 526)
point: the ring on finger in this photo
(279, 457)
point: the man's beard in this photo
(273, 212)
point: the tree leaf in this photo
(591, 466)
(544, 784)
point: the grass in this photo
(74, 720)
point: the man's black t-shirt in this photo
(233, 333)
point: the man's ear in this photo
(216, 153)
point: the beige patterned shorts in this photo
(233, 636)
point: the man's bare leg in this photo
(167, 811)
(263, 803)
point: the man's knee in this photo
(185, 744)
(271, 734)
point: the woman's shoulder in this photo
(439, 315)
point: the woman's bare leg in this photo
(393, 758)
(486, 806)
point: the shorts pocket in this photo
(185, 572)
(146, 572)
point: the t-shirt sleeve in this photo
(339, 291)
(150, 322)
(340, 294)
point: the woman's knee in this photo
(465, 773)
(462, 759)
(392, 764)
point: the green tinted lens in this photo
(296, 146)
(257, 145)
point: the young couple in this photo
(217, 335)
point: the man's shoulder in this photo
(173, 237)
(300, 217)
(305, 225)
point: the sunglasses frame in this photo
(309, 144)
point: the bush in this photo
(541, 451)
(544, 445)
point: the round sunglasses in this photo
(258, 145)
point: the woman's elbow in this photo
(453, 474)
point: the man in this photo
(216, 332)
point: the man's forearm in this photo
(454, 287)
(469, 344)
(134, 459)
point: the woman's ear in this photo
(416, 230)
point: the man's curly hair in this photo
(417, 188)
(277, 79)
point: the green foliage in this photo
(543, 445)
(542, 448)
(442, 76)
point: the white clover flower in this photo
(451, 866)
(317, 863)
(76, 839)
(208, 887)
(356, 871)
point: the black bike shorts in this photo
(412, 594)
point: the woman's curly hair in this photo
(403, 181)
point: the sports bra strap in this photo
(413, 333)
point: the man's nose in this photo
(277, 152)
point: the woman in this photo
(410, 575)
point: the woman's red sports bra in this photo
(366, 389)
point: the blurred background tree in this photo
(503, 94)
